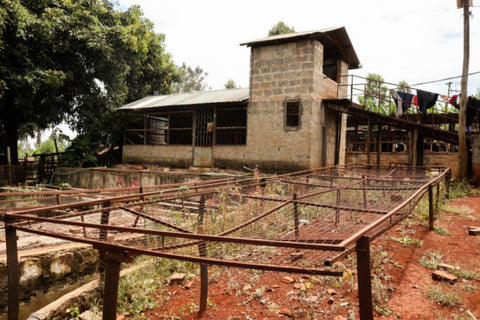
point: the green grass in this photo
(431, 259)
(406, 241)
(444, 298)
(441, 231)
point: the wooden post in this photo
(337, 210)
(12, 270)
(364, 193)
(448, 176)
(430, 207)
(369, 137)
(364, 278)
(379, 143)
(202, 250)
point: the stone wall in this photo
(41, 271)
(171, 156)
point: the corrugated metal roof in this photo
(189, 99)
(335, 40)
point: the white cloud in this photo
(416, 41)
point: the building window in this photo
(231, 128)
(292, 114)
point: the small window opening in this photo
(292, 118)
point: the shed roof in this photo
(335, 40)
(189, 99)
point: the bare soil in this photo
(401, 284)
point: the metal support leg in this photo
(296, 222)
(112, 277)
(103, 236)
(202, 250)
(13, 271)
(364, 278)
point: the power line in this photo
(445, 79)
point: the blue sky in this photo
(415, 41)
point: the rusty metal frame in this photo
(331, 249)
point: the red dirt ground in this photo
(400, 282)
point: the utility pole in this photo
(462, 139)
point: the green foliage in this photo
(76, 61)
(82, 152)
(280, 28)
(190, 79)
(230, 84)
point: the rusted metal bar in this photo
(13, 270)
(295, 217)
(146, 216)
(364, 280)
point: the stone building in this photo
(278, 123)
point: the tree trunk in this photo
(462, 141)
(11, 135)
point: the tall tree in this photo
(190, 79)
(280, 28)
(375, 96)
(77, 60)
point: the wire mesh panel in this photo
(299, 222)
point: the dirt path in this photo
(402, 281)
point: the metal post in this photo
(364, 278)
(112, 277)
(202, 250)
(295, 217)
(12, 270)
(103, 236)
(430, 207)
(113, 262)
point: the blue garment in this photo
(406, 100)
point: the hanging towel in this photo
(426, 100)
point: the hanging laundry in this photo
(426, 100)
(473, 105)
(402, 100)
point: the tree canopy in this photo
(76, 60)
(230, 84)
(190, 79)
(280, 28)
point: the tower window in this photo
(292, 114)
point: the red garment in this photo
(453, 100)
(415, 100)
